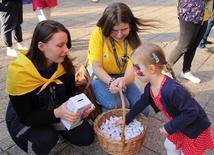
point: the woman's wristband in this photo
(109, 83)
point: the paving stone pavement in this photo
(80, 17)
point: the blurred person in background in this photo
(11, 20)
(193, 18)
(43, 8)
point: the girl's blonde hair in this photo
(150, 53)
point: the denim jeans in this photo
(210, 24)
(189, 39)
(107, 100)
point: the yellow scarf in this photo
(23, 77)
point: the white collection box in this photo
(77, 104)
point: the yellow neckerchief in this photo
(23, 77)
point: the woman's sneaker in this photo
(95, 1)
(12, 52)
(22, 47)
(189, 76)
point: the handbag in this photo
(82, 85)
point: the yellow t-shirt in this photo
(100, 50)
(206, 13)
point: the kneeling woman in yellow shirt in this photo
(110, 47)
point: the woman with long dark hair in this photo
(39, 83)
(110, 47)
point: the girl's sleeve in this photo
(139, 106)
(183, 104)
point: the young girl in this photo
(188, 130)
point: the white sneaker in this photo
(22, 47)
(95, 1)
(190, 76)
(12, 52)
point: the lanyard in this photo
(124, 58)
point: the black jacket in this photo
(34, 109)
(6, 1)
(2, 7)
(188, 115)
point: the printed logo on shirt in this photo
(105, 56)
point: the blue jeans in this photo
(210, 24)
(106, 99)
(189, 39)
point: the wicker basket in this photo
(123, 147)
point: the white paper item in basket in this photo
(77, 104)
(109, 129)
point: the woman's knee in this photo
(43, 140)
(82, 135)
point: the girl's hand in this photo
(119, 122)
(67, 115)
(163, 131)
(88, 111)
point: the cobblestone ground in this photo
(80, 17)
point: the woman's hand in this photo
(119, 122)
(67, 115)
(88, 111)
(163, 131)
(116, 84)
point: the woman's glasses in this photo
(123, 31)
(138, 70)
